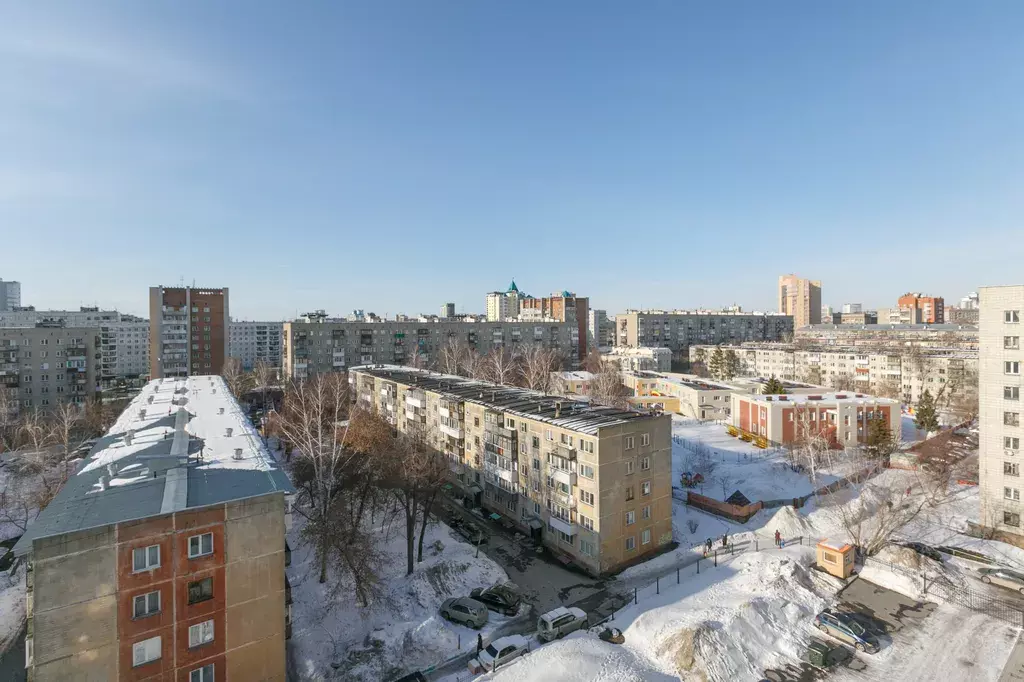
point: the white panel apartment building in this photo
(253, 342)
(896, 373)
(1002, 309)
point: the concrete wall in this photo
(74, 606)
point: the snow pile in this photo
(750, 613)
(789, 522)
(897, 582)
(12, 607)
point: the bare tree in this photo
(314, 421)
(415, 481)
(451, 359)
(263, 377)
(474, 365)
(9, 423)
(536, 365)
(417, 359)
(593, 362)
(502, 365)
(67, 429)
(606, 388)
(234, 377)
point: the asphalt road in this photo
(12, 662)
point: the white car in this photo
(501, 651)
(560, 622)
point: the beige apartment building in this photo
(890, 335)
(162, 558)
(999, 421)
(800, 298)
(895, 373)
(685, 394)
(318, 346)
(677, 330)
(41, 367)
(593, 484)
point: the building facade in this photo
(890, 335)
(843, 419)
(852, 308)
(999, 421)
(149, 565)
(969, 316)
(593, 484)
(801, 299)
(684, 394)
(41, 367)
(503, 305)
(600, 329)
(897, 372)
(563, 307)
(333, 346)
(639, 359)
(916, 308)
(447, 310)
(124, 351)
(188, 331)
(10, 295)
(254, 342)
(677, 330)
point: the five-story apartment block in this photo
(331, 346)
(999, 384)
(593, 484)
(41, 367)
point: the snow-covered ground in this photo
(403, 631)
(728, 623)
(12, 606)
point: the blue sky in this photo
(394, 155)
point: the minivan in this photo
(560, 622)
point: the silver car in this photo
(464, 610)
(1003, 577)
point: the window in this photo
(1011, 342)
(645, 439)
(628, 443)
(645, 537)
(587, 497)
(586, 471)
(200, 590)
(1011, 469)
(145, 558)
(1011, 443)
(1011, 519)
(1011, 494)
(630, 543)
(588, 446)
(200, 545)
(1011, 367)
(146, 605)
(536, 507)
(548, 435)
(145, 651)
(204, 674)
(645, 513)
(630, 518)
(1011, 392)
(476, 421)
(586, 522)
(1011, 418)
(830, 558)
(645, 488)
(1011, 316)
(629, 493)
(200, 633)
(629, 466)
(645, 464)
(535, 441)
(587, 548)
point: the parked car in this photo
(473, 534)
(1004, 577)
(923, 550)
(843, 627)
(559, 622)
(502, 651)
(464, 610)
(502, 598)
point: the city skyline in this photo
(374, 139)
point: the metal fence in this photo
(949, 592)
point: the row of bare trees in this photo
(355, 475)
(39, 446)
(262, 378)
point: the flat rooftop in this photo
(576, 415)
(170, 450)
(812, 398)
(690, 381)
(944, 327)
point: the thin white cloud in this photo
(109, 56)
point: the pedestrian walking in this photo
(778, 539)
(479, 643)
(725, 540)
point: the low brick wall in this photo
(735, 512)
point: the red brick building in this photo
(843, 418)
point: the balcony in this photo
(562, 525)
(565, 450)
(416, 400)
(453, 432)
(507, 475)
(563, 476)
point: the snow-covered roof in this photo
(839, 397)
(180, 444)
(833, 544)
(579, 375)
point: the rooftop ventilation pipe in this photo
(227, 431)
(238, 454)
